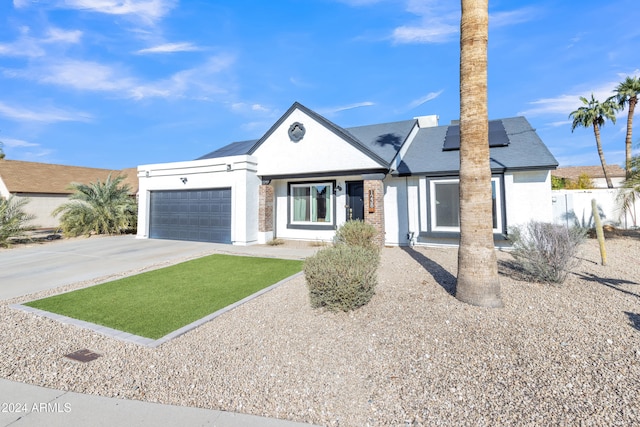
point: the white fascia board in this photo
(219, 164)
(403, 150)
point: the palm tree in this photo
(595, 113)
(478, 281)
(627, 93)
(98, 208)
(629, 195)
(14, 221)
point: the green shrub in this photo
(342, 277)
(99, 208)
(13, 220)
(356, 233)
(546, 252)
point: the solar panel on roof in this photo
(497, 136)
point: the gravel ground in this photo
(414, 355)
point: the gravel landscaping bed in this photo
(554, 355)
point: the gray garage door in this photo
(199, 215)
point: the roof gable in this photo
(337, 130)
(323, 147)
(32, 177)
(379, 143)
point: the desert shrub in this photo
(356, 233)
(275, 242)
(342, 277)
(99, 208)
(546, 252)
(14, 221)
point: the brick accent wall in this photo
(375, 218)
(265, 208)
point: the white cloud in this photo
(429, 32)
(562, 104)
(32, 47)
(511, 17)
(566, 103)
(333, 110)
(50, 115)
(299, 82)
(84, 75)
(169, 48)
(55, 35)
(195, 83)
(148, 11)
(17, 143)
(18, 4)
(428, 97)
(439, 21)
(251, 109)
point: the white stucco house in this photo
(307, 175)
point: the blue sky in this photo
(119, 83)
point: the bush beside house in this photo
(343, 277)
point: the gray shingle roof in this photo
(425, 156)
(526, 150)
(233, 149)
(384, 139)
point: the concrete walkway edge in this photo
(24, 405)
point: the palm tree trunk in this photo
(596, 131)
(632, 106)
(478, 282)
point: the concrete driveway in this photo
(37, 267)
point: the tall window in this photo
(311, 203)
(445, 205)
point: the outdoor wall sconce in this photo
(184, 179)
(338, 188)
(228, 168)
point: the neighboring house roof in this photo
(574, 172)
(45, 178)
(524, 151)
(434, 150)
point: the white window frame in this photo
(497, 185)
(328, 208)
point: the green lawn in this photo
(158, 302)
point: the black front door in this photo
(355, 200)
